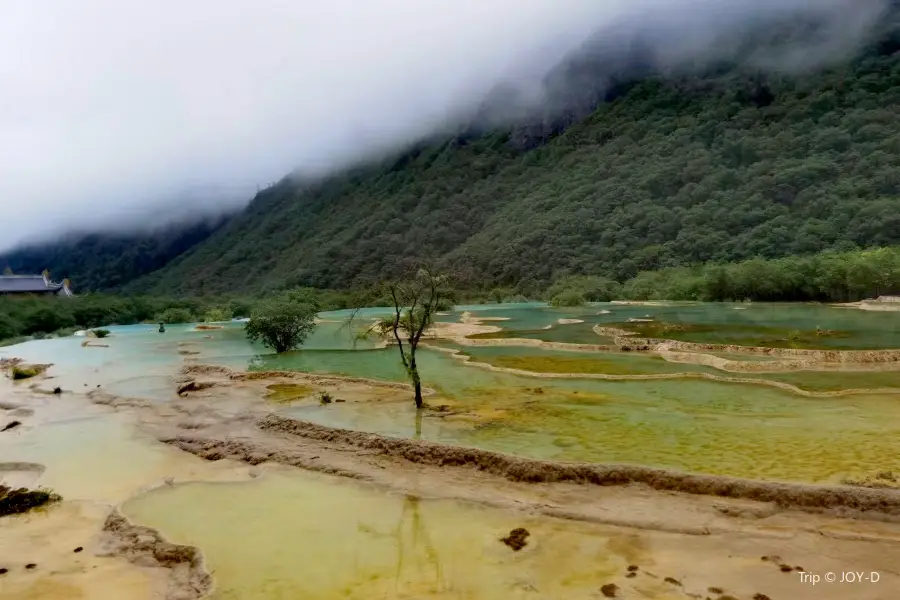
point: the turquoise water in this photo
(694, 425)
(735, 323)
(697, 425)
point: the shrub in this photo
(217, 315)
(101, 333)
(590, 288)
(568, 298)
(175, 315)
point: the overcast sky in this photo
(116, 113)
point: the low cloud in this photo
(117, 114)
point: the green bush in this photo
(217, 315)
(590, 288)
(568, 298)
(281, 324)
(101, 333)
(175, 315)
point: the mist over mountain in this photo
(118, 114)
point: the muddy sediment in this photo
(143, 546)
(843, 500)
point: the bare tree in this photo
(416, 298)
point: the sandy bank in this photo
(882, 303)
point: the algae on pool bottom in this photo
(695, 425)
(703, 427)
(300, 534)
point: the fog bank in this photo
(117, 114)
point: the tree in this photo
(282, 324)
(415, 298)
(170, 316)
(567, 298)
(217, 315)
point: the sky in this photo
(117, 114)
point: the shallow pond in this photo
(303, 535)
(691, 424)
(772, 325)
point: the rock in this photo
(30, 566)
(57, 390)
(78, 549)
(194, 386)
(760, 597)
(633, 568)
(672, 580)
(715, 590)
(11, 425)
(609, 590)
(3, 571)
(516, 538)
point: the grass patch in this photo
(21, 500)
(283, 393)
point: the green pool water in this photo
(304, 535)
(550, 361)
(831, 381)
(690, 424)
(696, 425)
(766, 324)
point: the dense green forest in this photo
(824, 277)
(676, 171)
(672, 173)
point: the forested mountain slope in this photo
(673, 171)
(104, 261)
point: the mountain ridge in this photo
(642, 172)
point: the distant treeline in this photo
(39, 316)
(823, 277)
